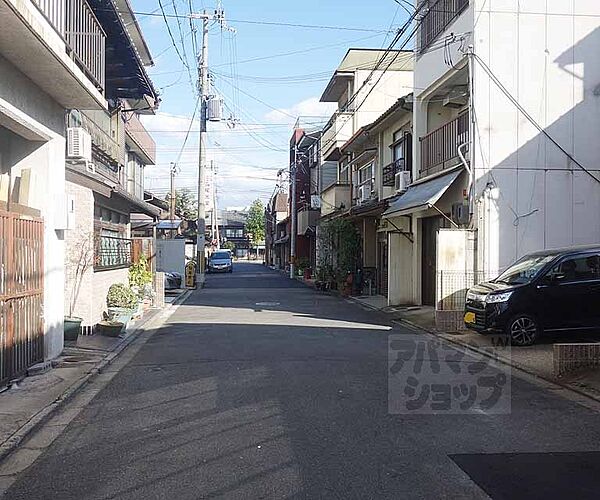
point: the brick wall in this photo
(85, 288)
(101, 283)
(79, 253)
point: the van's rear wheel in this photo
(523, 330)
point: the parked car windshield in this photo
(220, 255)
(524, 270)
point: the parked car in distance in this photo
(550, 290)
(220, 262)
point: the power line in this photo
(164, 15)
(530, 118)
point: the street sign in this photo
(190, 275)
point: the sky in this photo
(267, 75)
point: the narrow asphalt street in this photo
(259, 387)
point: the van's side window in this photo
(579, 268)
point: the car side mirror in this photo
(557, 278)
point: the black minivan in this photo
(544, 291)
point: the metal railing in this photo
(112, 252)
(76, 23)
(452, 287)
(437, 17)
(390, 171)
(439, 148)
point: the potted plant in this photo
(122, 302)
(110, 328)
(140, 279)
(80, 258)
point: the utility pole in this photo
(172, 197)
(203, 83)
(215, 210)
(293, 171)
(204, 93)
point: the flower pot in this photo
(72, 327)
(110, 328)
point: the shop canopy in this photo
(423, 196)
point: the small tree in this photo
(186, 205)
(255, 224)
(80, 258)
(229, 245)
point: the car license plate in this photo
(469, 317)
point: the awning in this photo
(169, 225)
(423, 196)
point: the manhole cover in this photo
(268, 303)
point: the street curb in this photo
(504, 361)
(42, 416)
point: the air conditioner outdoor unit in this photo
(79, 144)
(460, 213)
(402, 180)
(364, 193)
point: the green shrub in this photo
(140, 276)
(120, 295)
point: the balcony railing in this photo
(336, 132)
(437, 16)
(75, 22)
(112, 252)
(439, 149)
(140, 136)
(390, 171)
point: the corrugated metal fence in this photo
(21, 294)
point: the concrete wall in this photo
(33, 140)
(531, 195)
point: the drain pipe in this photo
(471, 172)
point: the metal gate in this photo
(21, 294)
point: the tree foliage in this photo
(255, 224)
(186, 205)
(339, 250)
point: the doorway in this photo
(429, 231)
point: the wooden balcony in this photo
(85, 40)
(439, 148)
(437, 17)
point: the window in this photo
(398, 146)
(579, 268)
(135, 176)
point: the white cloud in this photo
(310, 107)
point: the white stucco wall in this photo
(546, 56)
(31, 114)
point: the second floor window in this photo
(135, 176)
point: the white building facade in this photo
(506, 116)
